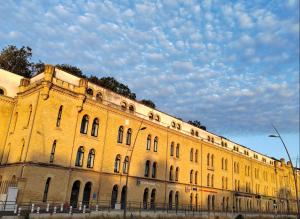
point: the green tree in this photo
(113, 85)
(197, 124)
(149, 103)
(17, 60)
(71, 69)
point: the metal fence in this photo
(132, 208)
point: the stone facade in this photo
(57, 156)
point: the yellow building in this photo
(64, 139)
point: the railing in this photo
(133, 208)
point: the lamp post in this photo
(128, 168)
(293, 169)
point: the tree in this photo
(17, 60)
(148, 103)
(113, 85)
(197, 124)
(71, 69)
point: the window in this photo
(29, 115)
(1, 92)
(89, 91)
(191, 176)
(91, 158)
(172, 149)
(148, 146)
(178, 126)
(152, 199)
(197, 133)
(196, 177)
(22, 149)
(177, 150)
(173, 124)
(207, 159)
(157, 118)
(196, 156)
(58, 120)
(212, 160)
(222, 163)
(191, 154)
(131, 108)
(99, 97)
(123, 106)
(177, 174)
(145, 198)
(176, 199)
(79, 157)
(171, 173)
(120, 134)
(125, 164)
(226, 164)
(223, 182)
(150, 116)
(147, 168)
(155, 144)
(154, 168)
(95, 127)
(212, 180)
(52, 151)
(46, 190)
(117, 163)
(192, 131)
(128, 137)
(84, 124)
(208, 179)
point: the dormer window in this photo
(173, 124)
(197, 133)
(131, 108)
(192, 132)
(99, 97)
(157, 118)
(151, 116)
(89, 91)
(123, 106)
(178, 126)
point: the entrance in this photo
(87, 194)
(75, 194)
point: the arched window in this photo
(91, 158)
(171, 173)
(191, 154)
(58, 120)
(117, 163)
(197, 133)
(128, 137)
(114, 196)
(177, 174)
(84, 124)
(123, 106)
(120, 134)
(172, 149)
(29, 115)
(191, 176)
(157, 118)
(176, 199)
(147, 168)
(208, 202)
(152, 200)
(1, 92)
(208, 158)
(155, 144)
(145, 198)
(46, 190)
(52, 151)
(196, 177)
(192, 131)
(212, 180)
(170, 199)
(148, 146)
(89, 91)
(99, 97)
(22, 149)
(212, 160)
(234, 167)
(177, 150)
(150, 116)
(208, 179)
(125, 164)
(222, 164)
(191, 200)
(196, 201)
(131, 108)
(95, 127)
(154, 169)
(196, 156)
(79, 157)
(213, 202)
(226, 163)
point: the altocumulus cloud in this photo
(231, 65)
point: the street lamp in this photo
(129, 162)
(293, 169)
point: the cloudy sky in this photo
(232, 65)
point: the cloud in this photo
(233, 66)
